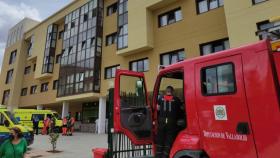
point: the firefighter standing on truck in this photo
(169, 107)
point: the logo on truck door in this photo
(220, 112)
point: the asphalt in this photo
(79, 145)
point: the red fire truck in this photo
(231, 105)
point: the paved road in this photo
(77, 146)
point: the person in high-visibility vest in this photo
(46, 127)
(64, 126)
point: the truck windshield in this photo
(12, 118)
(57, 116)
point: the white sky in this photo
(12, 11)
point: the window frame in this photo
(259, 24)
(24, 91)
(173, 11)
(42, 86)
(170, 55)
(27, 70)
(216, 66)
(114, 41)
(31, 89)
(8, 79)
(212, 43)
(58, 58)
(13, 56)
(4, 96)
(60, 34)
(110, 67)
(138, 60)
(34, 67)
(112, 6)
(255, 3)
(122, 23)
(55, 84)
(208, 6)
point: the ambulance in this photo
(24, 116)
(7, 121)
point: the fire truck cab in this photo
(230, 99)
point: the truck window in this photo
(57, 116)
(132, 92)
(12, 118)
(2, 119)
(175, 80)
(218, 79)
(41, 117)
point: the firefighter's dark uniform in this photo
(168, 115)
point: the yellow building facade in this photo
(67, 62)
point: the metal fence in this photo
(119, 145)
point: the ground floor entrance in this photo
(90, 115)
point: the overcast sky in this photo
(12, 11)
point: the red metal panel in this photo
(117, 107)
(220, 137)
(276, 56)
(263, 101)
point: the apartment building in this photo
(68, 61)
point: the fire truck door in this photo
(223, 112)
(132, 114)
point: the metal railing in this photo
(119, 145)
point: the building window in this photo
(33, 89)
(58, 59)
(9, 76)
(80, 64)
(110, 72)
(172, 57)
(122, 24)
(44, 87)
(60, 34)
(258, 1)
(112, 9)
(13, 57)
(49, 55)
(215, 46)
(27, 70)
(141, 65)
(111, 39)
(23, 92)
(206, 5)
(264, 33)
(6, 96)
(170, 17)
(30, 47)
(218, 80)
(55, 84)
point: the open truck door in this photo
(130, 133)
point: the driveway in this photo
(77, 146)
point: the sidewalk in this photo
(77, 146)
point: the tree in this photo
(53, 140)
